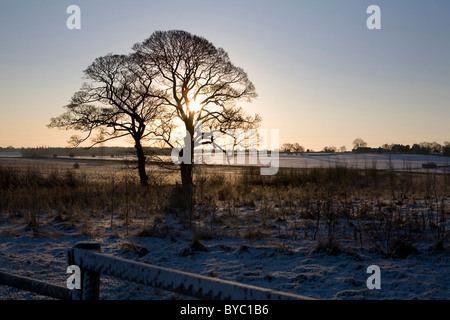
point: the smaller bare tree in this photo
(287, 147)
(329, 149)
(298, 148)
(293, 148)
(116, 102)
(359, 143)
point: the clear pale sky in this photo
(322, 76)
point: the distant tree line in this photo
(419, 148)
(360, 146)
(82, 152)
(289, 148)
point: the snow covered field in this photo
(384, 161)
(274, 260)
(281, 264)
(397, 162)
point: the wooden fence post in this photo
(90, 280)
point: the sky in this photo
(322, 77)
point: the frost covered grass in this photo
(300, 230)
(381, 210)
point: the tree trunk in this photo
(186, 169)
(141, 163)
(186, 175)
(187, 182)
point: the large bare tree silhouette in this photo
(200, 83)
(172, 78)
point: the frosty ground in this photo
(245, 246)
(289, 266)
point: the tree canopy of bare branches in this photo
(199, 83)
(359, 143)
(171, 80)
(116, 101)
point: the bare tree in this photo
(288, 147)
(359, 143)
(446, 148)
(200, 84)
(298, 148)
(117, 101)
(293, 147)
(331, 149)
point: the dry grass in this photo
(386, 211)
(383, 210)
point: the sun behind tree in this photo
(195, 106)
(199, 83)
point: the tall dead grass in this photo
(70, 195)
(387, 211)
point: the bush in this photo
(446, 150)
(403, 249)
(429, 165)
(329, 246)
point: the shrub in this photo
(329, 246)
(403, 249)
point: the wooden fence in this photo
(93, 263)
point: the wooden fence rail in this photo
(36, 286)
(93, 263)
